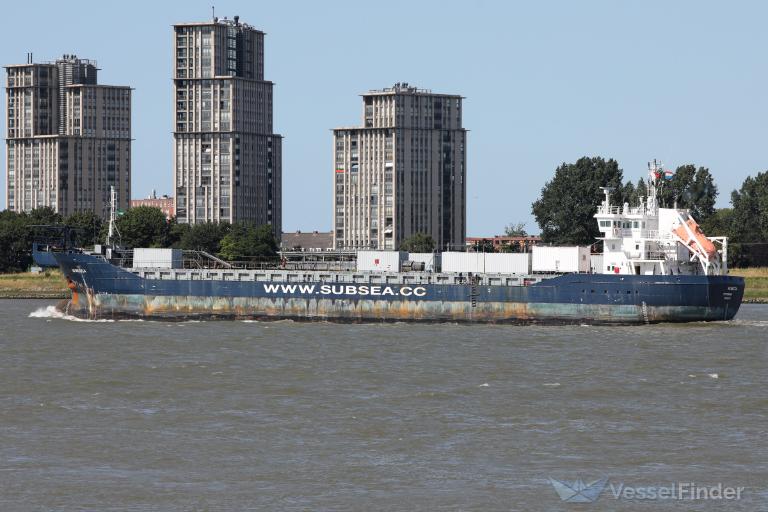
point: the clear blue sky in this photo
(545, 82)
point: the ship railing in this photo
(201, 259)
(341, 266)
(337, 277)
(656, 255)
(609, 210)
(656, 234)
(653, 234)
(189, 260)
(621, 210)
(295, 265)
(291, 265)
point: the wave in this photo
(52, 312)
(749, 323)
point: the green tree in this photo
(689, 188)
(670, 192)
(206, 237)
(244, 242)
(511, 247)
(703, 194)
(516, 229)
(45, 215)
(629, 194)
(749, 223)
(419, 242)
(15, 242)
(484, 245)
(568, 202)
(17, 233)
(176, 233)
(143, 226)
(641, 190)
(86, 226)
(719, 223)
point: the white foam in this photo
(552, 384)
(749, 323)
(52, 312)
(713, 375)
(484, 385)
(46, 312)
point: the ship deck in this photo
(309, 276)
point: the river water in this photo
(209, 416)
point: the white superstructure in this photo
(645, 239)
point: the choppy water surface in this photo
(295, 416)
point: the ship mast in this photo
(655, 173)
(112, 224)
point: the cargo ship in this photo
(656, 266)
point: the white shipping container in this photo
(489, 263)
(596, 263)
(380, 261)
(157, 258)
(431, 260)
(463, 262)
(561, 259)
(508, 263)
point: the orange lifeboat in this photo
(693, 236)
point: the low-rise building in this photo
(313, 241)
(502, 243)
(164, 202)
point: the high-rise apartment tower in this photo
(227, 161)
(68, 139)
(403, 172)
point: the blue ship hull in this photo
(104, 290)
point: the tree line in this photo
(142, 226)
(564, 213)
(565, 209)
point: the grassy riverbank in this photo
(45, 285)
(756, 289)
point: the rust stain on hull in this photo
(364, 310)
